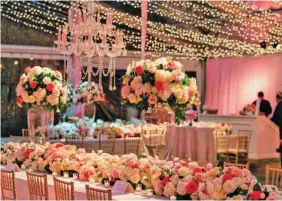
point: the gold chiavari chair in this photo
(8, 185)
(222, 144)
(98, 194)
(107, 143)
(241, 166)
(131, 145)
(37, 186)
(242, 146)
(25, 132)
(75, 139)
(273, 176)
(63, 190)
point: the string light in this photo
(229, 28)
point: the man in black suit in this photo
(277, 115)
(265, 107)
(277, 119)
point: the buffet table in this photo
(79, 188)
(196, 144)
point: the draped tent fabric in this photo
(144, 26)
(234, 82)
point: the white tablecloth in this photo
(194, 143)
(93, 144)
(79, 188)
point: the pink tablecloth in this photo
(79, 188)
(194, 143)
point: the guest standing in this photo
(277, 116)
(265, 107)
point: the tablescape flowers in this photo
(219, 128)
(86, 93)
(179, 178)
(159, 82)
(248, 110)
(41, 86)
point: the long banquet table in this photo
(79, 188)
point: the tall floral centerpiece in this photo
(42, 91)
(163, 91)
(88, 95)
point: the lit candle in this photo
(107, 184)
(66, 175)
(91, 180)
(138, 188)
(30, 170)
(149, 192)
(70, 17)
(23, 167)
(75, 176)
(172, 197)
(54, 173)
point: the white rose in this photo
(135, 178)
(151, 67)
(174, 179)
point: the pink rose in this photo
(27, 69)
(81, 151)
(114, 174)
(125, 91)
(158, 187)
(58, 75)
(226, 177)
(169, 189)
(237, 172)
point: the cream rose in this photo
(132, 98)
(151, 67)
(31, 99)
(46, 80)
(229, 186)
(183, 171)
(178, 93)
(39, 94)
(160, 75)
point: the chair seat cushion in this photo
(234, 151)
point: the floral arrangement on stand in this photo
(63, 130)
(248, 110)
(160, 82)
(111, 130)
(184, 180)
(86, 94)
(41, 86)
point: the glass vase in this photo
(157, 128)
(89, 110)
(40, 121)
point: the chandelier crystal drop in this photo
(87, 38)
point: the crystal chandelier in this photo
(86, 37)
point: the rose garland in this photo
(185, 180)
(163, 81)
(41, 86)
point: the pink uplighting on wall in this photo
(234, 82)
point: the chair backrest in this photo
(241, 166)
(74, 139)
(63, 190)
(97, 193)
(221, 142)
(131, 145)
(8, 185)
(273, 176)
(244, 138)
(107, 143)
(25, 132)
(37, 186)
